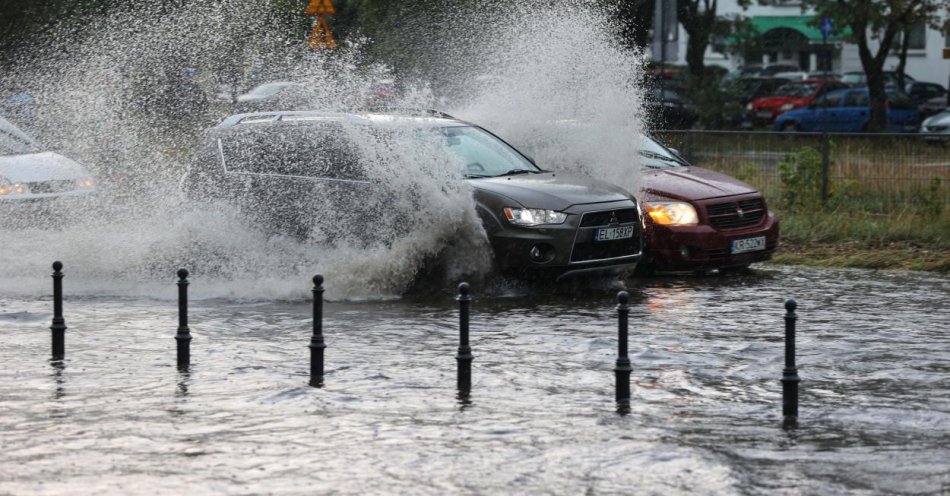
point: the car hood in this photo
(44, 166)
(778, 101)
(550, 190)
(691, 183)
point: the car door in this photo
(854, 114)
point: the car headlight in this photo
(86, 183)
(749, 106)
(786, 107)
(672, 213)
(534, 216)
(7, 187)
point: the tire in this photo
(790, 127)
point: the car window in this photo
(789, 90)
(656, 156)
(829, 100)
(483, 154)
(899, 100)
(13, 141)
(853, 78)
(856, 99)
(314, 150)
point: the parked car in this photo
(669, 108)
(539, 223)
(859, 78)
(849, 111)
(754, 88)
(921, 92)
(933, 106)
(792, 75)
(30, 176)
(937, 126)
(696, 219)
(792, 95)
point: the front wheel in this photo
(790, 127)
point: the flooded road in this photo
(117, 416)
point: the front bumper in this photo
(568, 249)
(702, 247)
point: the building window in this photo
(916, 38)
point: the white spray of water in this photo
(122, 103)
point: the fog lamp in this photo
(541, 253)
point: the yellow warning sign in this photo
(320, 36)
(320, 7)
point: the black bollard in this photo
(59, 323)
(790, 378)
(317, 344)
(464, 356)
(184, 334)
(622, 369)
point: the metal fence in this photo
(876, 172)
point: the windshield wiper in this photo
(514, 172)
(661, 157)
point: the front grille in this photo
(51, 186)
(733, 215)
(624, 216)
(588, 250)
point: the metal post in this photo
(317, 344)
(464, 356)
(59, 323)
(622, 369)
(825, 163)
(790, 378)
(183, 337)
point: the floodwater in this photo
(118, 417)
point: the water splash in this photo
(129, 101)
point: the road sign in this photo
(320, 36)
(320, 7)
(827, 27)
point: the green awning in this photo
(802, 24)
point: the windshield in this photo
(656, 156)
(797, 89)
(13, 141)
(483, 154)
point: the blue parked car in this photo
(848, 111)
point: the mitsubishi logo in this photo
(740, 213)
(613, 218)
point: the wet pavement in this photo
(118, 417)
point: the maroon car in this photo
(698, 220)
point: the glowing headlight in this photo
(671, 213)
(6, 187)
(86, 183)
(786, 107)
(534, 216)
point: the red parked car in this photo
(789, 96)
(696, 219)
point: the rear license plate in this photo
(748, 244)
(613, 233)
(764, 114)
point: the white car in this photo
(30, 175)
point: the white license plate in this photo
(748, 244)
(764, 114)
(612, 233)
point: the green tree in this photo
(883, 21)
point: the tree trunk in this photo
(902, 60)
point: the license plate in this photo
(748, 244)
(612, 233)
(764, 114)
